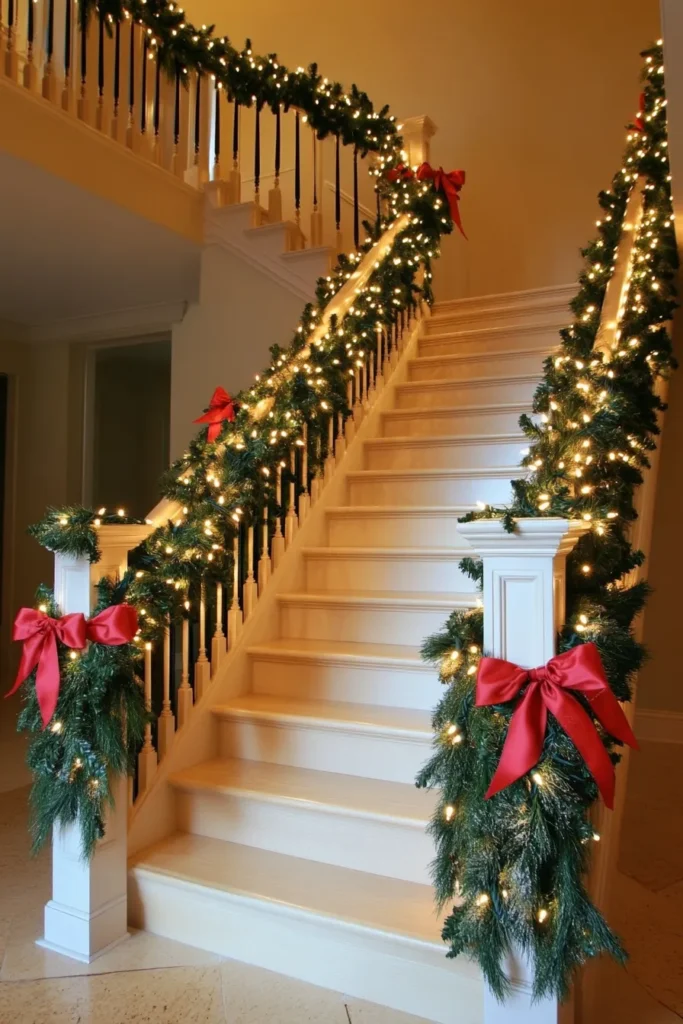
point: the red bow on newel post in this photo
(221, 407)
(112, 627)
(449, 183)
(553, 688)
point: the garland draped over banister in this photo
(515, 862)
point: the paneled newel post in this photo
(87, 914)
(524, 607)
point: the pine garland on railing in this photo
(516, 863)
(222, 484)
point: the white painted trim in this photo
(655, 726)
(116, 324)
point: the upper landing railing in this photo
(117, 77)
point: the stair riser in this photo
(361, 623)
(345, 681)
(440, 455)
(458, 393)
(404, 573)
(480, 366)
(480, 342)
(365, 844)
(422, 424)
(405, 976)
(394, 531)
(407, 490)
(368, 755)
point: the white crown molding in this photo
(113, 325)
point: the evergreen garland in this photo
(218, 488)
(516, 863)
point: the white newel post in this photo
(87, 914)
(524, 605)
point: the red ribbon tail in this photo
(523, 743)
(454, 204)
(47, 678)
(30, 656)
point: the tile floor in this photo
(148, 979)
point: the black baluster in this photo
(217, 133)
(337, 188)
(131, 71)
(157, 97)
(50, 42)
(297, 167)
(356, 211)
(176, 112)
(84, 53)
(10, 16)
(235, 134)
(278, 131)
(67, 44)
(197, 114)
(100, 58)
(315, 174)
(143, 88)
(117, 67)
(29, 32)
(257, 154)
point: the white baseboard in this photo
(659, 726)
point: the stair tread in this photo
(397, 653)
(340, 551)
(467, 334)
(472, 471)
(431, 439)
(409, 510)
(449, 410)
(371, 717)
(468, 357)
(521, 378)
(297, 886)
(400, 597)
(322, 791)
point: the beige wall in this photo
(530, 98)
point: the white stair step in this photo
(395, 569)
(488, 340)
(400, 526)
(329, 736)
(500, 419)
(432, 486)
(376, 617)
(366, 824)
(445, 452)
(370, 937)
(457, 393)
(467, 367)
(541, 305)
(338, 670)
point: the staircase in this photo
(302, 846)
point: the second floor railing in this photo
(110, 67)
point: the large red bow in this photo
(450, 184)
(221, 407)
(550, 689)
(40, 633)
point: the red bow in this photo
(450, 184)
(550, 689)
(112, 627)
(221, 407)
